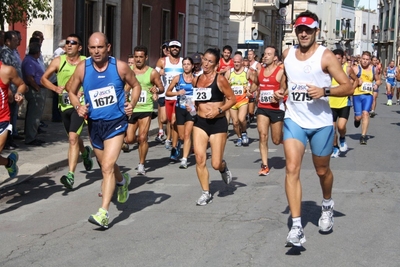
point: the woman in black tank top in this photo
(213, 96)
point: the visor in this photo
(306, 21)
(178, 44)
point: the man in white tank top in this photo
(307, 81)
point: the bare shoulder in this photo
(285, 53)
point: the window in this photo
(166, 25)
(89, 18)
(110, 26)
(145, 31)
(364, 29)
(181, 27)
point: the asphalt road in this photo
(246, 225)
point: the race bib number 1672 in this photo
(103, 97)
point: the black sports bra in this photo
(216, 94)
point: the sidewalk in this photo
(38, 160)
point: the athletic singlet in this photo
(145, 102)
(4, 107)
(367, 76)
(303, 110)
(208, 94)
(170, 71)
(254, 65)
(268, 85)
(391, 75)
(222, 64)
(339, 101)
(104, 91)
(188, 87)
(238, 82)
(65, 71)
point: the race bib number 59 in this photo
(201, 94)
(299, 93)
(103, 97)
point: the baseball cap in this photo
(164, 45)
(306, 21)
(196, 58)
(177, 43)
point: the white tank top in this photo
(171, 70)
(303, 110)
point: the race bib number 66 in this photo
(103, 97)
(201, 94)
(298, 93)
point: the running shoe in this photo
(183, 164)
(264, 170)
(239, 142)
(226, 175)
(100, 218)
(125, 147)
(13, 169)
(141, 170)
(363, 140)
(245, 139)
(389, 102)
(295, 237)
(160, 138)
(123, 193)
(204, 199)
(87, 160)
(68, 180)
(168, 144)
(372, 113)
(343, 145)
(325, 222)
(174, 154)
(398, 102)
(335, 153)
(357, 123)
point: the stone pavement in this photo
(38, 160)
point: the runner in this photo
(390, 75)
(64, 66)
(270, 113)
(238, 78)
(362, 98)
(307, 80)
(341, 107)
(378, 69)
(103, 78)
(140, 120)
(184, 118)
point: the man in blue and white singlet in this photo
(307, 81)
(390, 75)
(103, 79)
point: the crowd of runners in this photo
(301, 97)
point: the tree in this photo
(13, 11)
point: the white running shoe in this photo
(335, 153)
(325, 222)
(141, 170)
(295, 237)
(343, 145)
(204, 199)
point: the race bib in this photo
(65, 99)
(238, 89)
(266, 96)
(201, 94)
(391, 75)
(298, 93)
(142, 97)
(103, 97)
(366, 87)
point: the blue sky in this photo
(373, 3)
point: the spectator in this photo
(32, 72)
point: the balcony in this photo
(348, 36)
(266, 4)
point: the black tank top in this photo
(216, 94)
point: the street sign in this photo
(247, 46)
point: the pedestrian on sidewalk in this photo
(103, 79)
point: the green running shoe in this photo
(123, 193)
(13, 169)
(87, 160)
(100, 218)
(68, 180)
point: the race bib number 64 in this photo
(103, 97)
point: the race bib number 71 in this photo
(103, 97)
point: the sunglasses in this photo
(71, 42)
(174, 46)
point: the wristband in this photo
(327, 91)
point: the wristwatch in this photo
(76, 107)
(220, 110)
(327, 91)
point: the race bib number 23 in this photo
(201, 94)
(103, 97)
